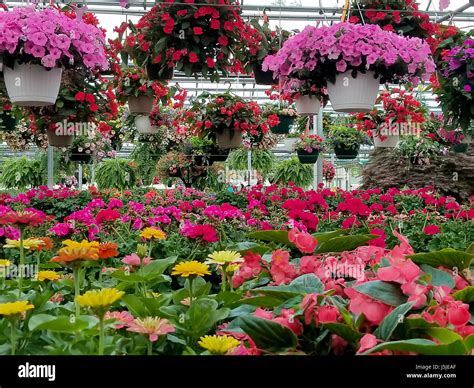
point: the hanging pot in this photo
(228, 138)
(344, 153)
(350, 94)
(283, 127)
(307, 157)
(140, 104)
(218, 155)
(390, 141)
(59, 140)
(7, 122)
(308, 105)
(156, 72)
(143, 124)
(263, 77)
(32, 85)
(81, 157)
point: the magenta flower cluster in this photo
(320, 53)
(460, 64)
(52, 39)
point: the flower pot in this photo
(218, 155)
(58, 140)
(228, 138)
(346, 153)
(460, 148)
(157, 72)
(143, 124)
(32, 85)
(308, 105)
(141, 104)
(390, 141)
(7, 122)
(263, 77)
(80, 157)
(349, 94)
(307, 157)
(284, 125)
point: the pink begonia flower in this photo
(327, 314)
(286, 319)
(373, 310)
(305, 242)
(281, 269)
(368, 341)
(250, 268)
(134, 260)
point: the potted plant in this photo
(159, 118)
(352, 60)
(258, 41)
(454, 138)
(134, 87)
(308, 95)
(291, 170)
(345, 140)
(34, 58)
(419, 150)
(176, 164)
(199, 149)
(198, 39)
(308, 148)
(8, 120)
(118, 174)
(96, 144)
(285, 114)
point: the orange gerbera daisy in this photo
(74, 250)
(48, 244)
(107, 250)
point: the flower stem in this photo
(22, 263)
(150, 348)
(191, 279)
(224, 278)
(75, 271)
(101, 335)
(13, 336)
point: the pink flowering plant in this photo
(51, 38)
(310, 143)
(320, 53)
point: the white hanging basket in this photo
(32, 85)
(308, 105)
(390, 141)
(143, 124)
(353, 94)
(141, 104)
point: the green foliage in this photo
(262, 160)
(345, 136)
(116, 173)
(20, 173)
(291, 170)
(145, 155)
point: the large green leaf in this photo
(60, 324)
(470, 249)
(449, 258)
(423, 346)
(202, 316)
(268, 335)
(261, 301)
(344, 243)
(278, 236)
(325, 236)
(388, 293)
(348, 333)
(248, 246)
(391, 321)
(135, 305)
(157, 267)
(466, 294)
(304, 284)
(438, 277)
(443, 335)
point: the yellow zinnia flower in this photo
(5, 263)
(15, 307)
(149, 233)
(232, 268)
(224, 257)
(29, 243)
(47, 275)
(186, 269)
(218, 344)
(99, 299)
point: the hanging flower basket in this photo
(308, 105)
(389, 141)
(460, 148)
(59, 140)
(228, 138)
(263, 77)
(140, 104)
(306, 157)
(81, 157)
(144, 126)
(156, 72)
(218, 155)
(350, 94)
(7, 122)
(283, 127)
(32, 85)
(346, 153)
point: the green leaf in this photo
(158, 266)
(422, 346)
(443, 335)
(135, 305)
(278, 236)
(388, 293)
(449, 258)
(261, 301)
(307, 284)
(438, 277)
(470, 249)
(391, 321)
(248, 246)
(469, 343)
(268, 335)
(348, 333)
(466, 294)
(59, 324)
(326, 236)
(344, 243)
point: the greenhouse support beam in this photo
(50, 166)
(456, 11)
(79, 176)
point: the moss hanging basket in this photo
(156, 72)
(7, 122)
(228, 138)
(283, 127)
(344, 153)
(263, 77)
(307, 157)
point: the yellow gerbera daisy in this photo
(5, 263)
(224, 257)
(97, 299)
(29, 243)
(191, 268)
(218, 344)
(232, 268)
(47, 275)
(149, 233)
(13, 308)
